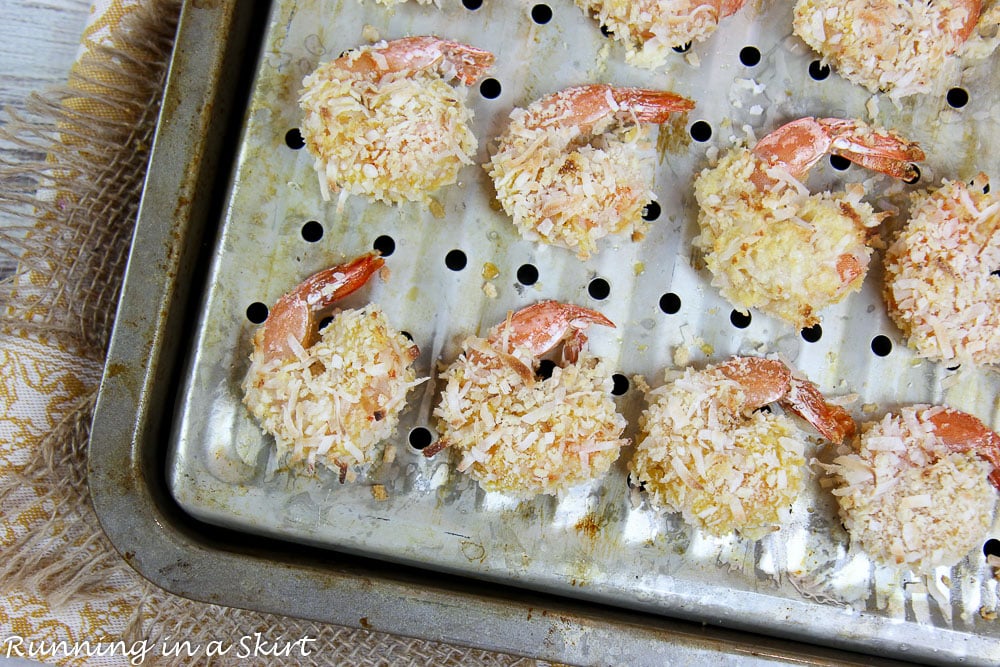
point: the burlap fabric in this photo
(74, 187)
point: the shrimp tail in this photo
(832, 421)
(298, 312)
(769, 380)
(470, 63)
(409, 54)
(879, 150)
(763, 380)
(586, 106)
(800, 144)
(650, 106)
(962, 432)
(545, 324)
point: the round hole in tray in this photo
(621, 384)
(420, 438)
(384, 245)
(651, 211)
(631, 483)
(490, 89)
(881, 345)
(992, 547)
(472, 5)
(957, 97)
(839, 162)
(541, 14)
(599, 289)
(750, 56)
(294, 140)
(670, 303)
(527, 274)
(606, 31)
(916, 178)
(407, 335)
(812, 334)
(312, 231)
(701, 131)
(325, 322)
(455, 260)
(818, 71)
(545, 368)
(683, 48)
(740, 319)
(257, 312)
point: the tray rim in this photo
(186, 558)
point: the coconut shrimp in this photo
(772, 245)
(383, 122)
(522, 434)
(329, 396)
(576, 166)
(650, 29)
(707, 451)
(943, 274)
(899, 47)
(918, 490)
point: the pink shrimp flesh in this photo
(727, 7)
(768, 381)
(974, 9)
(962, 432)
(297, 313)
(411, 54)
(678, 14)
(800, 144)
(586, 106)
(544, 325)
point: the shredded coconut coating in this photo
(568, 189)
(909, 501)
(523, 435)
(940, 286)
(778, 251)
(396, 139)
(338, 400)
(650, 29)
(723, 466)
(899, 47)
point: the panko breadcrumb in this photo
(899, 47)
(336, 402)
(779, 250)
(941, 285)
(523, 435)
(578, 164)
(397, 137)
(650, 29)
(564, 191)
(908, 500)
(724, 466)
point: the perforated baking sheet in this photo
(598, 542)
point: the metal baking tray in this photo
(179, 470)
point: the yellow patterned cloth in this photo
(66, 597)
(49, 378)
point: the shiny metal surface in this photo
(597, 544)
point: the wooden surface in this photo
(38, 42)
